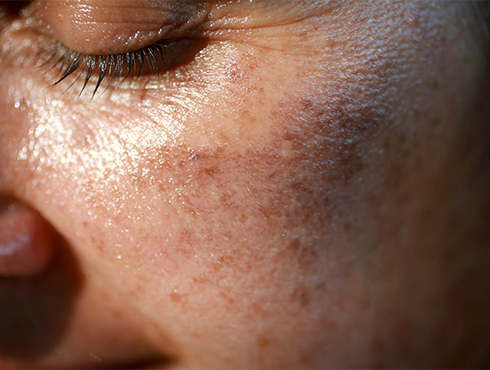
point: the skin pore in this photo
(303, 186)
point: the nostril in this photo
(13, 8)
(26, 240)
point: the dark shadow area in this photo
(13, 8)
(35, 311)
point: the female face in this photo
(288, 184)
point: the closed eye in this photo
(95, 44)
(105, 70)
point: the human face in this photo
(299, 187)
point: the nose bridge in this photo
(14, 128)
(26, 239)
(15, 122)
(7, 143)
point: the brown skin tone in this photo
(307, 190)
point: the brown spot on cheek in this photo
(239, 72)
(303, 253)
(325, 136)
(263, 342)
(281, 182)
(175, 297)
(200, 280)
(301, 295)
(258, 190)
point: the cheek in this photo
(237, 193)
(240, 175)
(211, 211)
(249, 187)
(216, 170)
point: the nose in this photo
(26, 240)
(12, 8)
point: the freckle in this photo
(201, 155)
(304, 299)
(233, 73)
(305, 255)
(199, 280)
(222, 294)
(226, 260)
(175, 297)
(142, 95)
(266, 212)
(305, 359)
(226, 297)
(435, 84)
(307, 104)
(298, 187)
(320, 286)
(211, 171)
(117, 314)
(301, 295)
(263, 342)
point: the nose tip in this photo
(26, 240)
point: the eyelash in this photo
(119, 66)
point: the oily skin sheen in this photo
(307, 191)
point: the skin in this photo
(307, 190)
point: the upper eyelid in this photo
(102, 30)
(113, 29)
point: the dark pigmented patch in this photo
(284, 180)
(304, 255)
(199, 280)
(263, 342)
(176, 297)
(327, 134)
(301, 295)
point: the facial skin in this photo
(308, 189)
